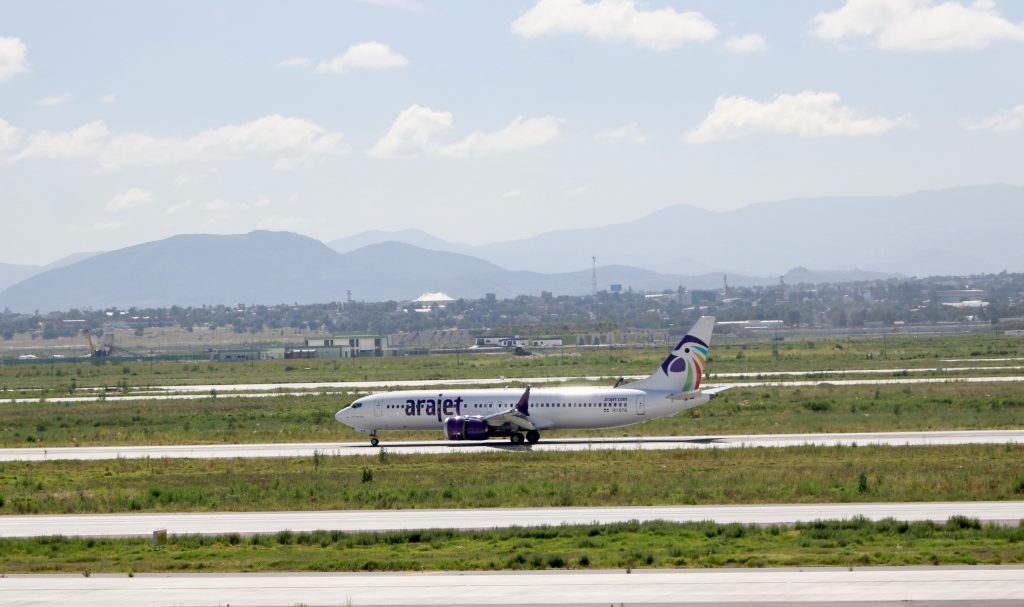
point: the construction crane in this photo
(107, 347)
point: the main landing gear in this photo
(517, 438)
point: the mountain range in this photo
(282, 267)
(955, 231)
(948, 232)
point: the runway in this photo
(196, 392)
(653, 443)
(934, 586)
(213, 523)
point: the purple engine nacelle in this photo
(465, 428)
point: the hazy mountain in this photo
(67, 260)
(280, 267)
(12, 273)
(956, 231)
(414, 237)
(803, 275)
(186, 270)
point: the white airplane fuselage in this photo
(480, 414)
(550, 408)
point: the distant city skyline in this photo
(482, 122)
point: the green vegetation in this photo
(812, 355)
(479, 480)
(858, 542)
(826, 408)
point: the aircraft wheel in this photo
(374, 441)
(532, 436)
(516, 438)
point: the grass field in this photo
(960, 541)
(954, 406)
(57, 378)
(518, 479)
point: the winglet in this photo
(523, 406)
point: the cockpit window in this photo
(356, 405)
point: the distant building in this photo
(490, 341)
(547, 343)
(339, 346)
(502, 341)
(239, 355)
(960, 295)
(432, 301)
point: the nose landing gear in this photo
(374, 441)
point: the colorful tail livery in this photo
(683, 368)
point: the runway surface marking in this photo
(211, 523)
(941, 585)
(651, 443)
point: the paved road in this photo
(936, 586)
(653, 443)
(211, 523)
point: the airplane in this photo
(523, 414)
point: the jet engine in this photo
(466, 428)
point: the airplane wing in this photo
(713, 392)
(518, 416)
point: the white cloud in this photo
(10, 136)
(131, 198)
(615, 20)
(1009, 120)
(83, 142)
(520, 134)
(511, 194)
(629, 133)
(292, 137)
(749, 43)
(365, 56)
(13, 58)
(414, 133)
(53, 100)
(109, 98)
(806, 114)
(918, 25)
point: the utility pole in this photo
(593, 277)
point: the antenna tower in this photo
(593, 276)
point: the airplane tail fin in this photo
(683, 369)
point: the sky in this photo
(124, 122)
